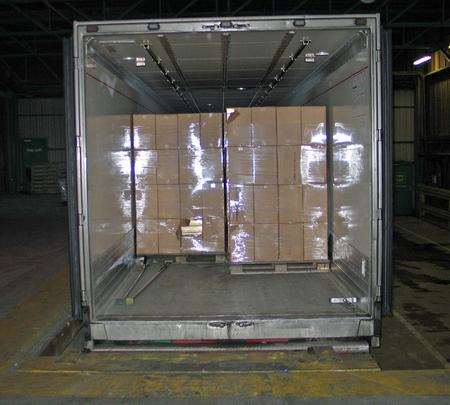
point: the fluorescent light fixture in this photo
(421, 60)
(128, 58)
(240, 88)
(322, 53)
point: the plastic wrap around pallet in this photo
(276, 184)
(179, 183)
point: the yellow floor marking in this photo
(22, 326)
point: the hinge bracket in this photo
(83, 298)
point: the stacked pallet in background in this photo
(276, 184)
(179, 183)
(44, 178)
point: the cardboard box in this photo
(315, 203)
(313, 125)
(146, 201)
(111, 201)
(289, 126)
(266, 242)
(290, 199)
(213, 200)
(238, 127)
(112, 133)
(144, 131)
(189, 131)
(166, 131)
(147, 236)
(289, 164)
(240, 204)
(315, 240)
(241, 243)
(265, 165)
(211, 130)
(265, 204)
(145, 165)
(191, 201)
(198, 166)
(313, 164)
(212, 165)
(213, 234)
(291, 242)
(168, 202)
(167, 167)
(264, 121)
(240, 168)
(168, 236)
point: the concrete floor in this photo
(412, 366)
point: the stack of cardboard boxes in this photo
(179, 183)
(276, 184)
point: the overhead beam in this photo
(36, 55)
(7, 34)
(127, 11)
(28, 54)
(79, 12)
(241, 7)
(54, 9)
(185, 8)
(403, 11)
(417, 36)
(34, 21)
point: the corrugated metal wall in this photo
(3, 145)
(43, 118)
(438, 106)
(404, 112)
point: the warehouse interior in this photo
(43, 347)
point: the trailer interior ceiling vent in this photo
(229, 178)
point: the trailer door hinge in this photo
(379, 135)
(378, 296)
(83, 298)
(379, 214)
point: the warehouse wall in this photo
(404, 110)
(438, 105)
(3, 145)
(43, 118)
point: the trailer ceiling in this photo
(31, 31)
(210, 67)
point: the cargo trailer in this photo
(137, 271)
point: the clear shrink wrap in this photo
(109, 166)
(144, 131)
(276, 184)
(241, 241)
(211, 130)
(179, 185)
(166, 131)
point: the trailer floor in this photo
(410, 368)
(202, 291)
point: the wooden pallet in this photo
(279, 268)
(190, 258)
(44, 179)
